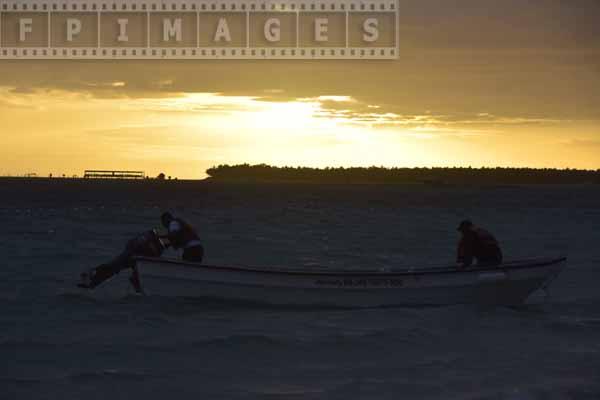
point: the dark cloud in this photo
(587, 143)
(513, 58)
(506, 24)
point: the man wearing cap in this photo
(479, 244)
(181, 235)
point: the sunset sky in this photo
(478, 82)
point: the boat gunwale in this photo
(513, 265)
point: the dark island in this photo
(262, 173)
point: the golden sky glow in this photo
(184, 134)
(508, 84)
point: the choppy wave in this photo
(109, 375)
(58, 342)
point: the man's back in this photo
(480, 244)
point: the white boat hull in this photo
(510, 283)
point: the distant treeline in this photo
(380, 175)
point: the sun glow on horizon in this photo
(186, 133)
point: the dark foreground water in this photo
(58, 343)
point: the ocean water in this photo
(57, 342)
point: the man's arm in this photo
(464, 255)
(174, 228)
(467, 261)
(460, 251)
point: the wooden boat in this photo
(507, 284)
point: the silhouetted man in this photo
(147, 244)
(181, 235)
(479, 244)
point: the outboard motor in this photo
(148, 244)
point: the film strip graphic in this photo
(199, 29)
